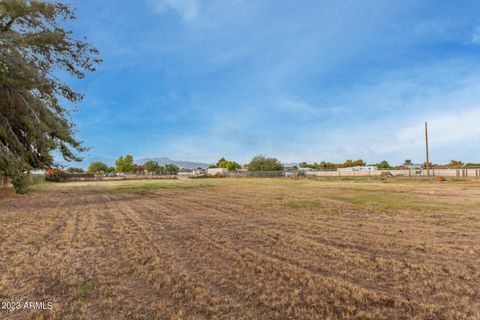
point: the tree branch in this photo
(37, 119)
(7, 27)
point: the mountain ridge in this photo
(179, 163)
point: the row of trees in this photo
(153, 167)
(459, 164)
(332, 166)
(127, 164)
(453, 164)
(382, 165)
(258, 163)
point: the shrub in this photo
(262, 163)
(98, 166)
(20, 182)
(55, 175)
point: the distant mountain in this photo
(288, 165)
(179, 163)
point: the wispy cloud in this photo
(475, 37)
(187, 9)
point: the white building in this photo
(217, 171)
(191, 173)
(359, 168)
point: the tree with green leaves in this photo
(222, 159)
(352, 163)
(124, 164)
(33, 49)
(262, 163)
(455, 164)
(171, 169)
(75, 170)
(472, 165)
(383, 165)
(230, 165)
(97, 166)
(327, 166)
(153, 167)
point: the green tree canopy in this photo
(171, 168)
(75, 170)
(262, 163)
(230, 165)
(33, 47)
(153, 166)
(319, 166)
(98, 167)
(455, 164)
(383, 165)
(124, 164)
(472, 165)
(327, 166)
(352, 163)
(222, 159)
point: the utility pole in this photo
(426, 146)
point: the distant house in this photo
(198, 172)
(359, 168)
(191, 173)
(217, 171)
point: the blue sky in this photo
(298, 80)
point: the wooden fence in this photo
(6, 187)
(5, 182)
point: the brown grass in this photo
(243, 249)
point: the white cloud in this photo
(445, 129)
(187, 9)
(297, 107)
(475, 37)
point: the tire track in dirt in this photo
(231, 253)
(193, 254)
(344, 233)
(388, 268)
(161, 260)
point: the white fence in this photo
(452, 173)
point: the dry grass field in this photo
(243, 249)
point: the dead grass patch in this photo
(244, 249)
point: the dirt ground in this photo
(242, 249)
